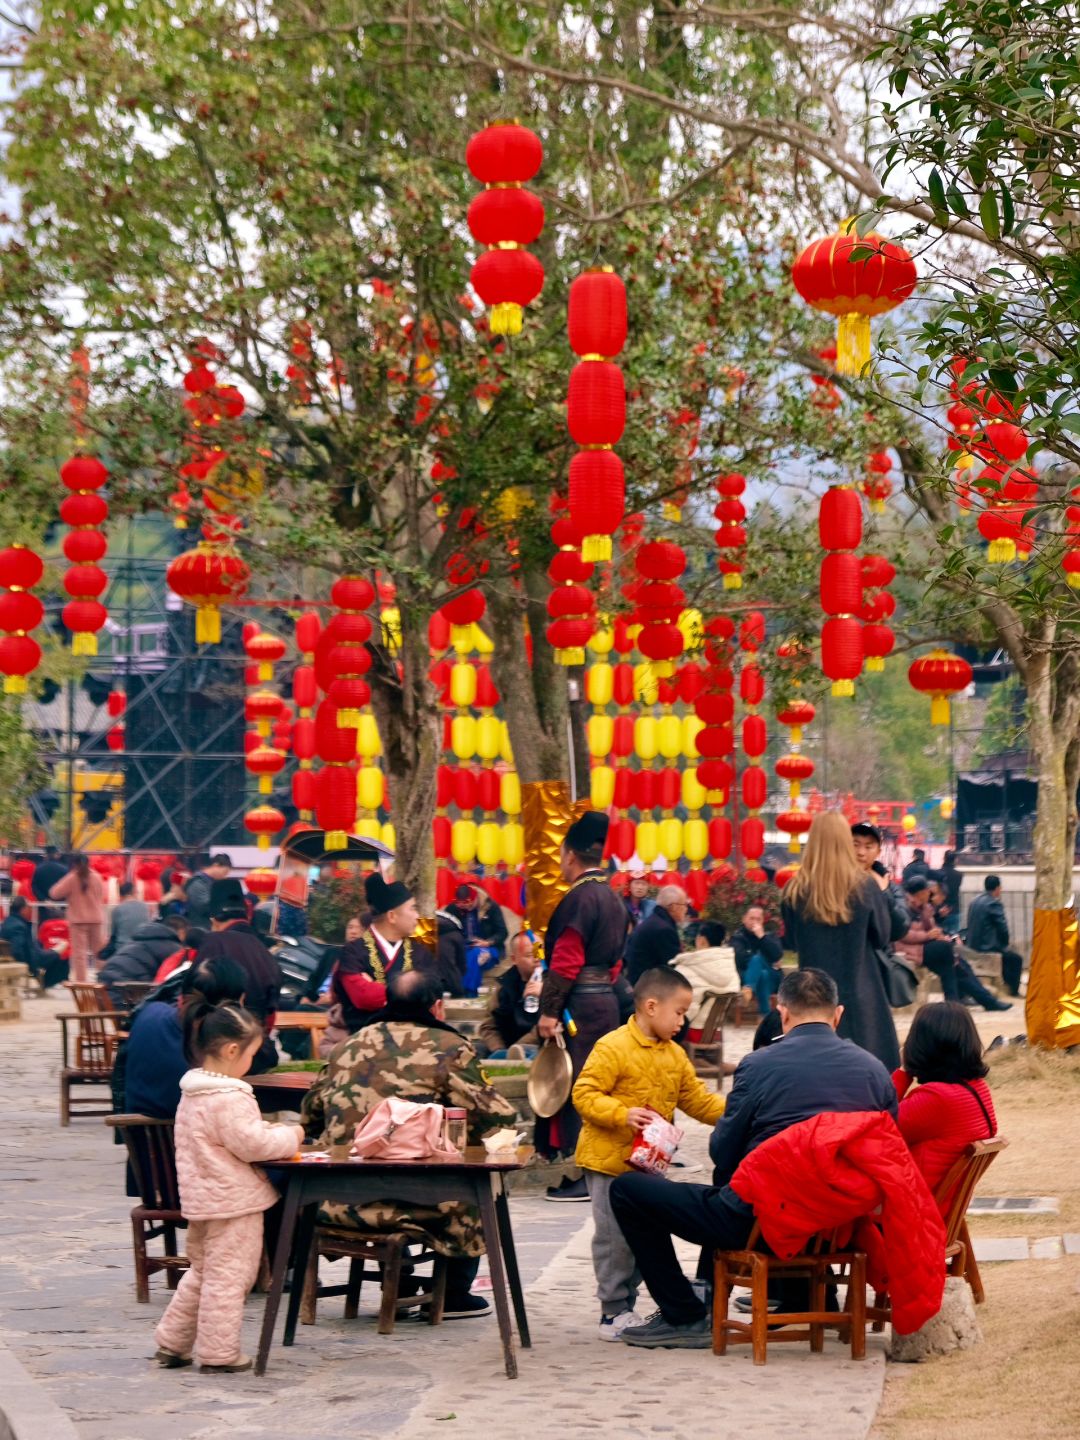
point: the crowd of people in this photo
(624, 980)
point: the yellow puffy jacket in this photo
(628, 1069)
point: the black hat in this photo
(588, 832)
(863, 827)
(383, 897)
(227, 900)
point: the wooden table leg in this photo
(305, 1232)
(489, 1221)
(281, 1264)
(506, 1236)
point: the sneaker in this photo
(744, 1304)
(612, 1326)
(656, 1334)
(466, 1307)
(568, 1191)
(998, 1005)
(235, 1368)
(169, 1360)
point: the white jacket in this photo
(710, 969)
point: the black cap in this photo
(227, 900)
(588, 832)
(383, 897)
(863, 827)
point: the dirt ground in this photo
(1020, 1381)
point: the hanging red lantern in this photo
(841, 584)
(716, 774)
(596, 403)
(854, 278)
(755, 787)
(336, 743)
(261, 882)
(506, 278)
(878, 642)
(263, 822)
(265, 762)
(265, 650)
(940, 675)
(116, 703)
(720, 837)
(304, 792)
(794, 768)
(208, 577)
(752, 838)
(840, 523)
(842, 653)
(19, 657)
(597, 500)
(621, 840)
(84, 618)
(335, 804)
(114, 738)
(794, 823)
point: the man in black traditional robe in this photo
(385, 949)
(582, 949)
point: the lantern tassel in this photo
(336, 840)
(875, 664)
(207, 625)
(939, 710)
(672, 511)
(852, 344)
(595, 548)
(793, 845)
(266, 671)
(573, 656)
(266, 785)
(843, 688)
(877, 507)
(83, 642)
(264, 842)
(506, 319)
(16, 684)
(1072, 580)
(1001, 552)
(965, 461)
(461, 638)
(348, 719)
(732, 582)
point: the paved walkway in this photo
(69, 1316)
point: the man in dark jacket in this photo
(988, 931)
(656, 941)
(129, 916)
(46, 965)
(138, 960)
(750, 939)
(508, 1022)
(199, 889)
(231, 935)
(810, 1071)
(450, 956)
(46, 874)
(916, 866)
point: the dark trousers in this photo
(957, 977)
(651, 1210)
(595, 1012)
(1012, 967)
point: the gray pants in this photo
(617, 1277)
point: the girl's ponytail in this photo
(208, 1027)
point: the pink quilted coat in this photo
(220, 1135)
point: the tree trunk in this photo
(1055, 808)
(533, 697)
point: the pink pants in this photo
(206, 1312)
(86, 941)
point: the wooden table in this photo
(309, 1020)
(282, 1092)
(474, 1179)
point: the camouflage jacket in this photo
(408, 1060)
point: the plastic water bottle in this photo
(531, 1003)
(455, 1128)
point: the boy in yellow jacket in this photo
(633, 1074)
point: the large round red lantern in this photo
(940, 675)
(335, 803)
(261, 882)
(263, 822)
(842, 653)
(596, 403)
(854, 277)
(208, 577)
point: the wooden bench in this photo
(310, 1020)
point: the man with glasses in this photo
(657, 941)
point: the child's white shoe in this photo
(612, 1326)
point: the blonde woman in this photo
(835, 917)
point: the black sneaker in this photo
(466, 1307)
(999, 1005)
(568, 1192)
(657, 1334)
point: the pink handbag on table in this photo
(401, 1130)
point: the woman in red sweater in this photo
(950, 1105)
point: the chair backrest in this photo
(133, 992)
(89, 998)
(153, 1160)
(954, 1192)
(95, 1046)
(715, 1017)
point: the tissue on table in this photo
(502, 1142)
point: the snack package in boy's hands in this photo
(655, 1145)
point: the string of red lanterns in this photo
(840, 525)
(754, 784)
(506, 217)
(20, 612)
(596, 325)
(730, 537)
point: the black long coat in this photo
(846, 952)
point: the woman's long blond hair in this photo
(829, 876)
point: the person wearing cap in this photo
(582, 949)
(232, 935)
(484, 929)
(867, 841)
(639, 903)
(384, 949)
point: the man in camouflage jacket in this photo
(408, 1051)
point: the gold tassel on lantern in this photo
(335, 840)
(208, 625)
(939, 710)
(843, 689)
(732, 581)
(595, 548)
(671, 512)
(83, 642)
(15, 685)
(506, 319)
(852, 344)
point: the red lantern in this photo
(19, 656)
(794, 768)
(116, 704)
(264, 762)
(85, 546)
(263, 822)
(261, 882)
(755, 787)
(596, 314)
(940, 675)
(645, 789)
(878, 642)
(720, 837)
(20, 611)
(797, 714)
(752, 838)
(262, 707)
(715, 775)
(335, 804)
(207, 577)
(504, 154)
(305, 691)
(506, 278)
(841, 584)
(20, 568)
(114, 738)
(794, 823)
(507, 281)
(336, 744)
(842, 653)
(754, 738)
(597, 500)
(304, 792)
(497, 216)
(308, 630)
(81, 509)
(466, 789)
(84, 618)
(596, 403)
(840, 523)
(854, 277)
(83, 472)
(621, 841)
(266, 650)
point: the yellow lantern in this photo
(488, 737)
(368, 744)
(946, 808)
(369, 787)
(600, 732)
(647, 841)
(692, 630)
(691, 729)
(908, 823)
(506, 750)
(463, 841)
(599, 684)
(669, 736)
(602, 787)
(695, 841)
(463, 736)
(645, 737)
(693, 793)
(513, 844)
(670, 836)
(368, 828)
(481, 642)
(489, 843)
(510, 793)
(388, 835)
(391, 629)
(463, 684)
(602, 641)
(646, 686)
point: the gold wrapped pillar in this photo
(547, 812)
(1052, 1009)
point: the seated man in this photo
(138, 959)
(408, 1051)
(988, 931)
(757, 956)
(47, 967)
(810, 1071)
(508, 1020)
(656, 941)
(484, 928)
(925, 943)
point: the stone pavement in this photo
(68, 1315)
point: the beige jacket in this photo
(219, 1135)
(711, 969)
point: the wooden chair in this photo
(756, 1267)
(133, 992)
(388, 1251)
(953, 1196)
(96, 1039)
(153, 1163)
(707, 1054)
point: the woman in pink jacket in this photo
(219, 1135)
(85, 896)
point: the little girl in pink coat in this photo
(219, 1136)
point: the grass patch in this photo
(295, 1067)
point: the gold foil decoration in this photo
(547, 812)
(427, 932)
(1052, 1010)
